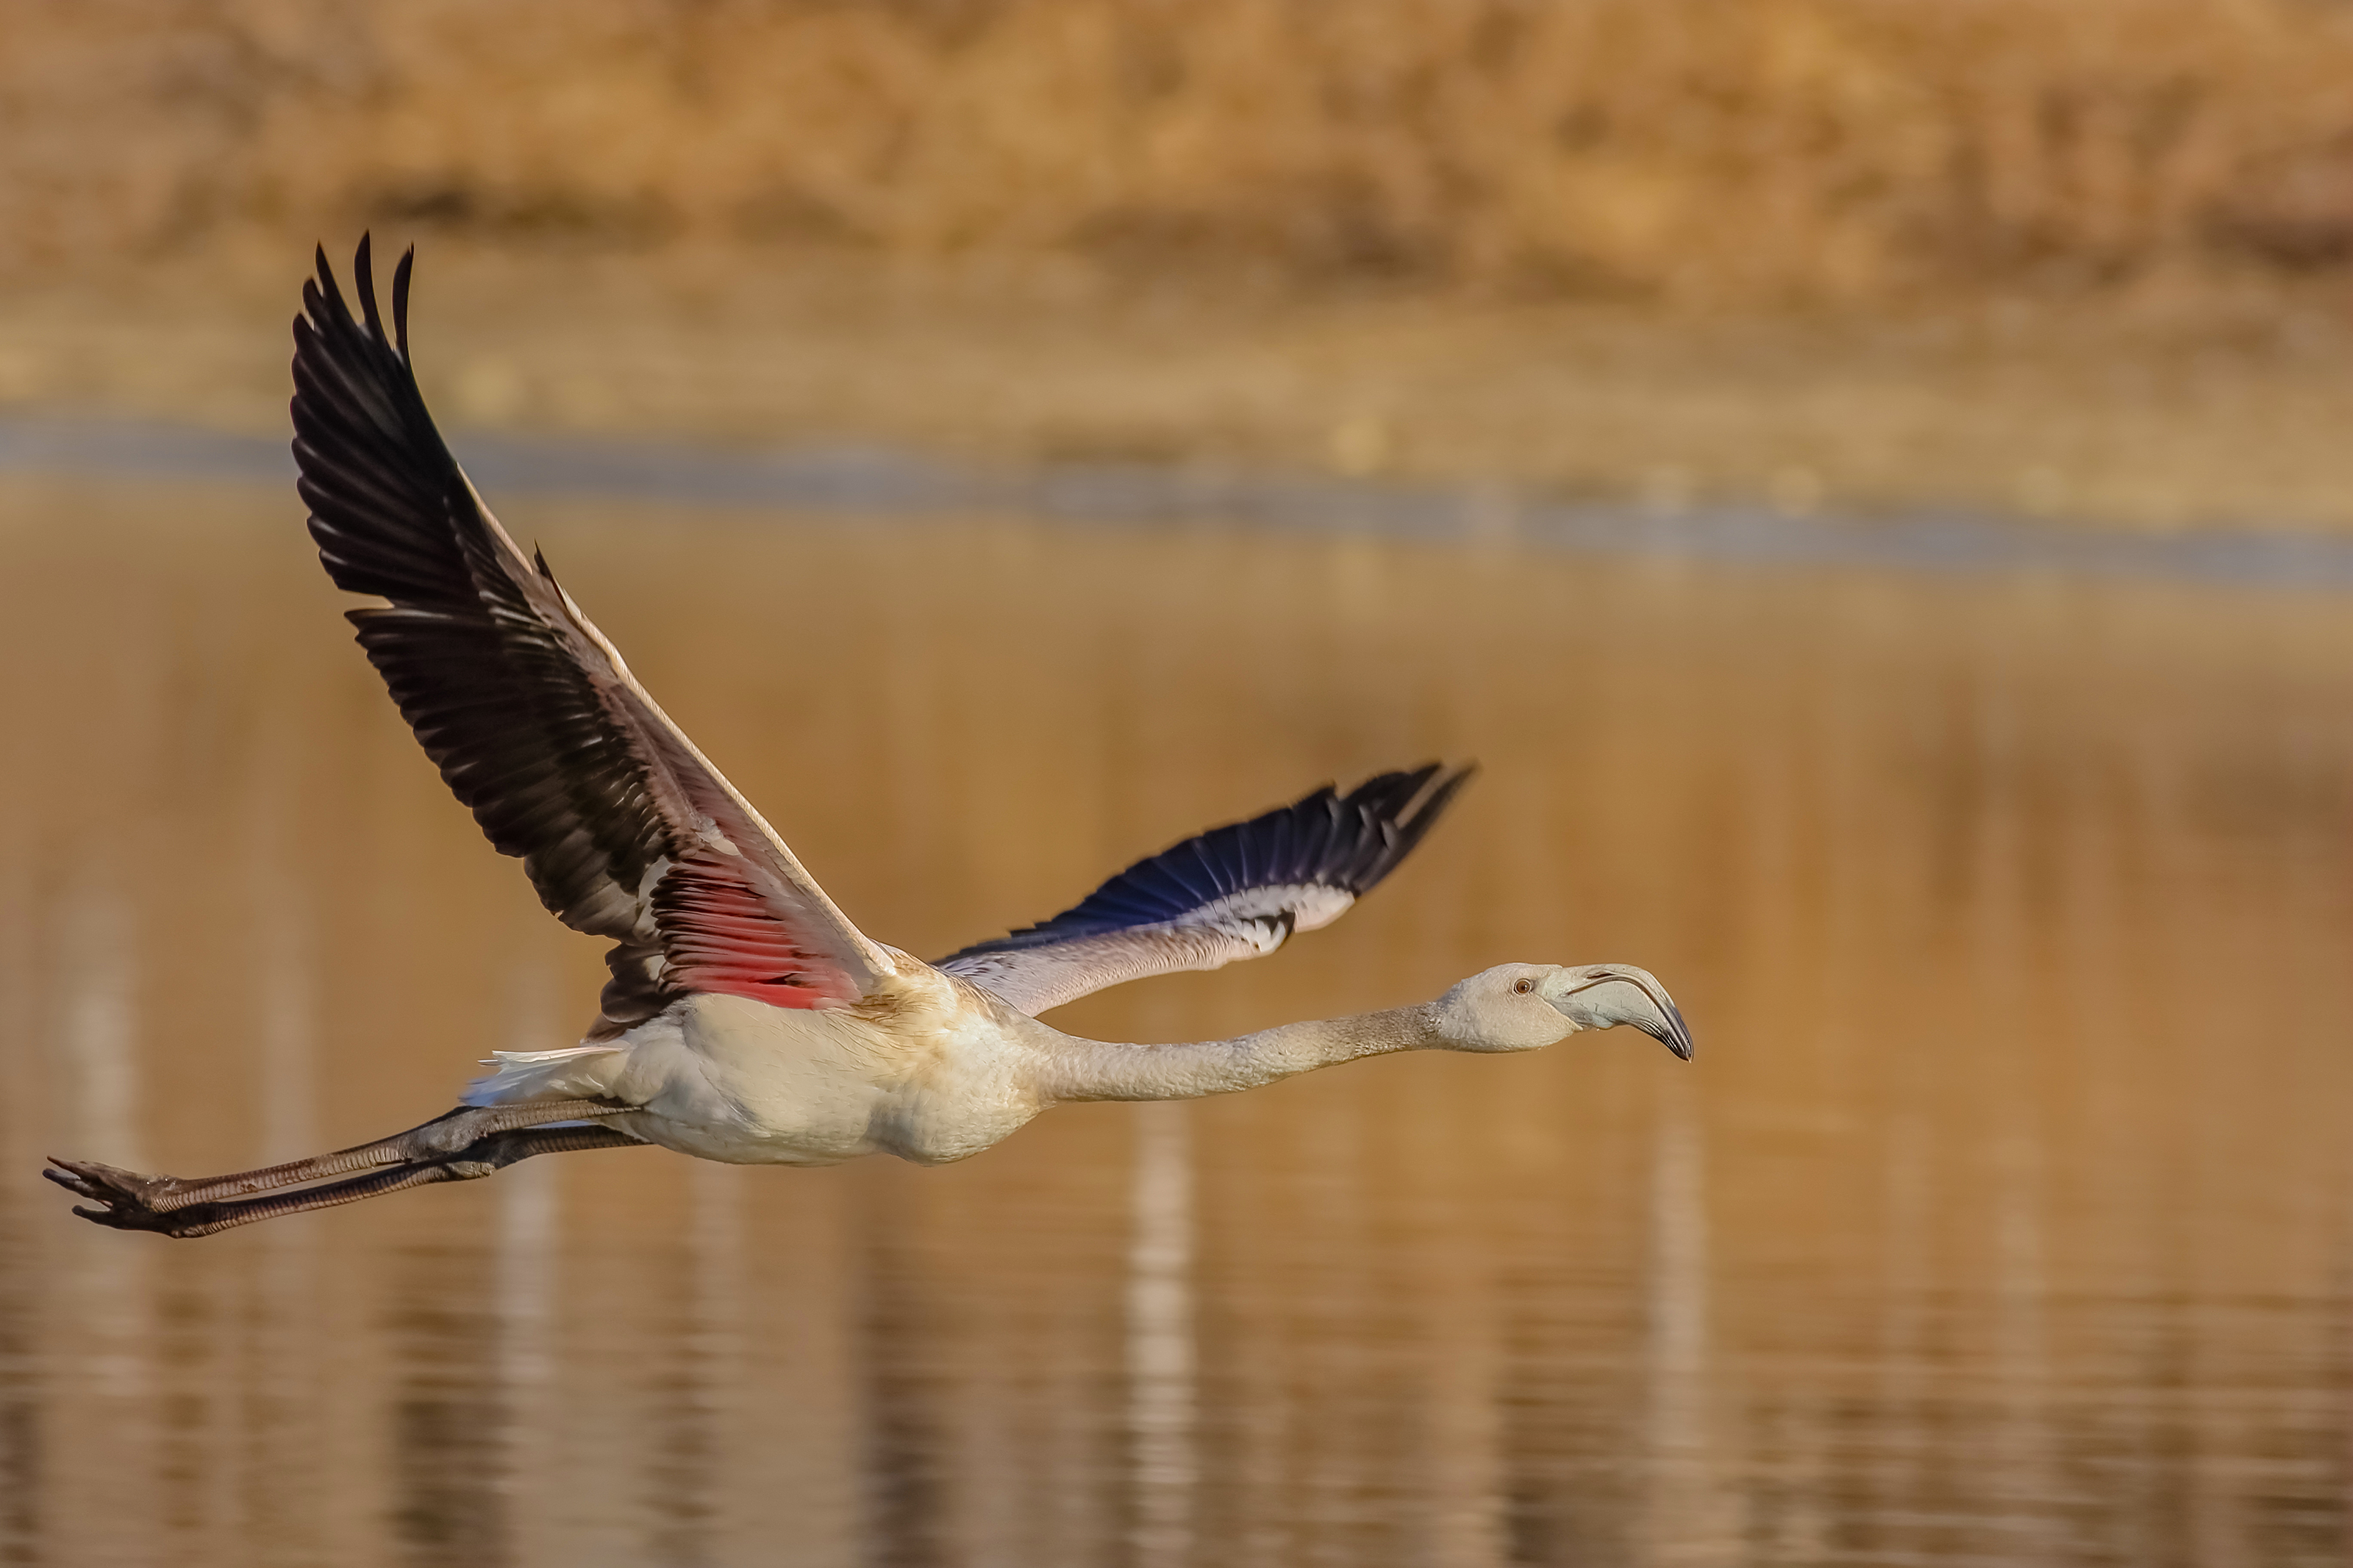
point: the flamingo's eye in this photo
(1521, 987)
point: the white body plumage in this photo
(930, 1068)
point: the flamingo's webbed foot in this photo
(109, 1183)
(126, 1200)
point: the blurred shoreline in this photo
(896, 486)
(2095, 412)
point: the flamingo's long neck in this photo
(1076, 1068)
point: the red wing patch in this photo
(720, 936)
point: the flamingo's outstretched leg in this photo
(124, 1211)
(445, 1136)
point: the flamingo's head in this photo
(1527, 1007)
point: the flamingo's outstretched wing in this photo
(1235, 891)
(623, 826)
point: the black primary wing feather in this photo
(1236, 891)
(1326, 839)
(625, 830)
(512, 721)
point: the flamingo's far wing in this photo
(624, 827)
(1235, 891)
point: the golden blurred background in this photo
(2083, 259)
(2004, 1217)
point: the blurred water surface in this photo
(2003, 1218)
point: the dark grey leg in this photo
(124, 1211)
(445, 1134)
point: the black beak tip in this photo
(1675, 1037)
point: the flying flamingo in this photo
(747, 1020)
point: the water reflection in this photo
(525, 1275)
(2004, 1217)
(1160, 1369)
(1686, 1517)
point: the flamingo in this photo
(747, 1020)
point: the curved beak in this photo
(1655, 1014)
